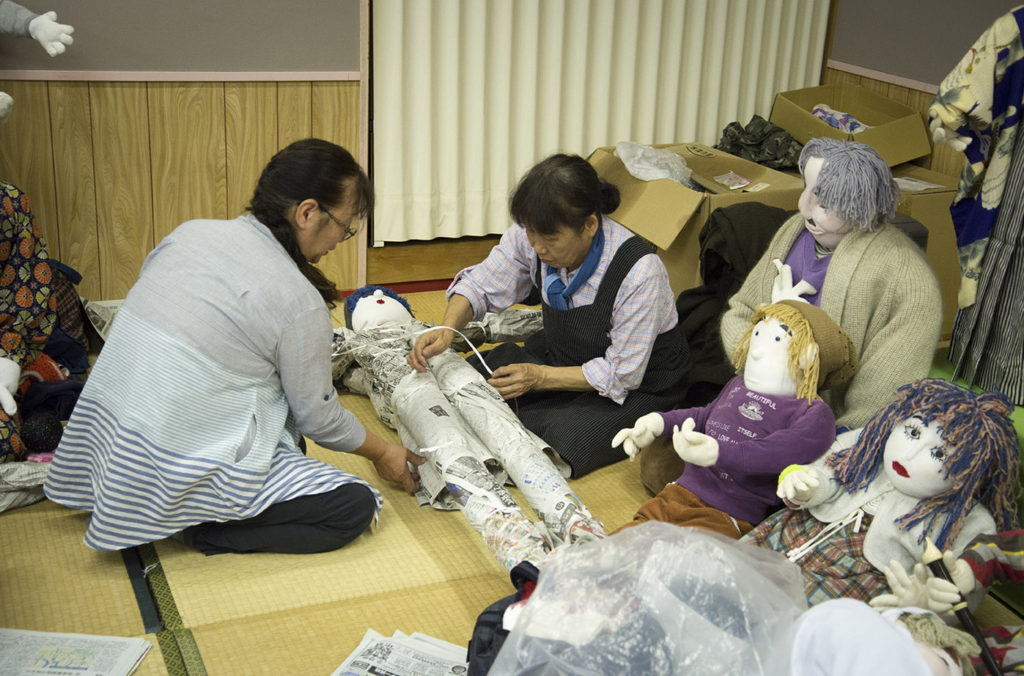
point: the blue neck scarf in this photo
(558, 293)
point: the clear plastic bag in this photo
(658, 599)
(648, 163)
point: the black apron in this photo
(580, 425)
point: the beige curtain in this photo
(468, 94)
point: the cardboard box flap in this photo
(671, 215)
(646, 217)
(896, 131)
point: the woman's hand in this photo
(516, 379)
(427, 345)
(393, 465)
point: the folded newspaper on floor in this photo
(403, 655)
(29, 653)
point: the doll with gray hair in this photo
(841, 253)
(854, 183)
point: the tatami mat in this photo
(314, 641)
(50, 581)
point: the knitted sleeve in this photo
(896, 294)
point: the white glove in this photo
(943, 594)
(53, 36)
(694, 447)
(782, 287)
(798, 485)
(943, 134)
(10, 375)
(641, 434)
(907, 590)
(6, 104)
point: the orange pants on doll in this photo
(676, 505)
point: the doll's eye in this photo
(939, 453)
(912, 431)
(778, 339)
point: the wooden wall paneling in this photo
(335, 118)
(26, 153)
(75, 182)
(186, 123)
(294, 112)
(124, 201)
(250, 123)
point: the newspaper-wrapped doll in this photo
(939, 462)
(453, 417)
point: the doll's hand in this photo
(53, 36)
(694, 447)
(907, 590)
(6, 105)
(943, 134)
(640, 435)
(10, 375)
(782, 287)
(797, 484)
(943, 594)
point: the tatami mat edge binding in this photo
(177, 645)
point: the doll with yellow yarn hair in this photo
(763, 418)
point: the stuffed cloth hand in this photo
(782, 287)
(640, 435)
(10, 375)
(943, 594)
(943, 134)
(53, 36)
(692, 446)
(797, 484)
(908, 590)
(6, 104)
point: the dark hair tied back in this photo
(309, 169)
(561, 190)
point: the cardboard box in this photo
(897, 131)
(670, 215)
(930, 207)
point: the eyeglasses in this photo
(349, 231)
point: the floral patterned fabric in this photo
(981, 100)
(27, 305)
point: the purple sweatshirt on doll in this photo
(758, 436)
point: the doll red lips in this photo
(900, 469)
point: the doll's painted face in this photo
(767, 367)
(913, 458)
(827, 228)
(378, 309)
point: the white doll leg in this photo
(440, 436)
(522, 453)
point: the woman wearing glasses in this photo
(219, 359)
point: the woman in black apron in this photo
(610, 350)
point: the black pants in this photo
(304, 525)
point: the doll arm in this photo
(797, 485)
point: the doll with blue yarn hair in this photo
(938, 462)
(472, 440)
